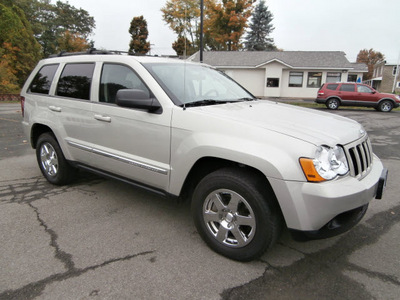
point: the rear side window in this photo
(75, 81)
(42, 81)
(347, 87)
(332, 86)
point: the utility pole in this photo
(201, 30)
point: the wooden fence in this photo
(9, 97)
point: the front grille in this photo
(359, 157)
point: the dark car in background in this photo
(338, 94)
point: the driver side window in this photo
(115, 77)
(363, 89)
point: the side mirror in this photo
(373, 92)
(139, 99)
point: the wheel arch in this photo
(207, 165)
(36, 131)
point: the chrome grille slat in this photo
(359, 157)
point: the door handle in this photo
(102, 118)
(55, 108)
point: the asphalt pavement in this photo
(102, 239)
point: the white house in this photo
(284, 73)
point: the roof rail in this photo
(91, 51)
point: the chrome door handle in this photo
(55, 108)
(102, 118)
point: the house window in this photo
(333, 77)
(394, 70)
(352, 78)
(296, 79)
(314, 79)
(272, 82)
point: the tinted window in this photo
(332, 86)
(116, 77)
(42, 81)
(75, 81)
(347, 87)
(272, 82)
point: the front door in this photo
(131, 143)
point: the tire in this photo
(236, 214)
(332, 103)
(385, 106)
(52, 162)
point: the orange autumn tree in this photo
(226, 22)
(72, 42)
(8, 78)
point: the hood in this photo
(305, 124)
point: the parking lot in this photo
(102, 239)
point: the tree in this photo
(19, 49)
(260, 28)
(139, 33)
(71, 42)
(183, 46)
(370, 58)
(8, 80)
(49, 22)
(183, 17)
(226, 22)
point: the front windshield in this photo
(188, 83)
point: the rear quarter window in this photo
(75, 81)
(41, 83)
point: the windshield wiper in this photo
(203, 103)
(247, 99)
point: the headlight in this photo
(398, 97)
(327, 164)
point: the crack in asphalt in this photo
(26, 191)
(320, 275)
(35, 289)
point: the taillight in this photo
(23, 105)
(321, 93)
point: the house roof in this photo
(292, 59)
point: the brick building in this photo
(386, 77)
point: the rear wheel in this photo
(385, 106)
(52, 162)
(332, 103)
(236, 214)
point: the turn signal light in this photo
(309, 170)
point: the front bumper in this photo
(309, 207)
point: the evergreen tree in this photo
(139, 33)
(260, 28)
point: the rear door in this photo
(347, 92)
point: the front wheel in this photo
(332, 103)
(385, 106)
(52, 162)
(236, 214)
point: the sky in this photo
(300, 25)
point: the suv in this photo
(186, 130)
(355, 94)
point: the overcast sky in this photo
(307, 25)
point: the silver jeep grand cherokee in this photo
(187, 130)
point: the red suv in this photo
(355, 94)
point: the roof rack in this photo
(91, 51)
